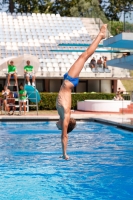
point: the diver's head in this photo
(71, 125)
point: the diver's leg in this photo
(8, 79)
(76, 68)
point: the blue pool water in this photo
(100, 165)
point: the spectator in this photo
(10, 104)
(105, 63)
(118, 97)
(11, 72)
(93, 63)
(120, 91)
(29, 73)
(100, 62)
(5, 94)
(23, 98)
(21, 84)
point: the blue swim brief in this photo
(74, 81)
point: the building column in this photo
(115, 86)
(47, 85)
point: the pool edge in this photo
(116, 124)
(55, 118)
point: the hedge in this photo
(48, 100)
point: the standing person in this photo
(105, 63)
(10, 104)
(71, 79)
(29, 72)
(22, 98)
(11, 72)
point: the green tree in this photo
(116, 27)
(42, 6)
(34, 6)
(88, 8)
(79, 8)
(63, 7)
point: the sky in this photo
(128, 18)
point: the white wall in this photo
(106, 86)
(102, 105)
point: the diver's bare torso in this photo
(63, 102)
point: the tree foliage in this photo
(113, 8)
(25, 6)
(116, 27)
(77, 8)
(63, 7)
(85, 8)
(34, 6)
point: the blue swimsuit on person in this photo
(74, 81)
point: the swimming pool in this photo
(100, 165)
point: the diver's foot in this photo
(66, 157)
(103, 31)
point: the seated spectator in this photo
(22, 98)
(92, 63)
(10, 104)
(29, 73)
(118, 97)
(5, 94)
(100, 62)
(11, 72)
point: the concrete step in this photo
(130, 106)
(126, 110)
